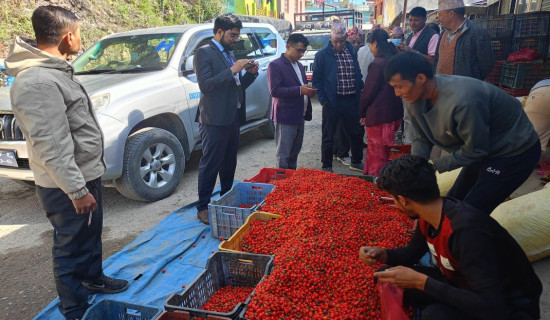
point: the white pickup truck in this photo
(145, 94)
(318, 39)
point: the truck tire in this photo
(268, 130)
(153, 166)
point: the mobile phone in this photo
(249, 65)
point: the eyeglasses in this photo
(235, 36)
(300, 51)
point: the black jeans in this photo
(76, 247)
(486, 184)
(346, 109)
(219, 155)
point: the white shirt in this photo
(299, 74)
(364, 57)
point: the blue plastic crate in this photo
(223, 269)
(119, 310)
(225, 215)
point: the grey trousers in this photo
(289, 139)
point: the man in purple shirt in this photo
(291, 100)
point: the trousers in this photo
(485, 185)
(76, 247)
(219, 156)
(289, 139)
(346, 109)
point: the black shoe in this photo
(105, 285)
(328, 169)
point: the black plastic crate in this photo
(120, 310)
(501, 47)
(223, 269)
(523, 75)
(497, 26)
(532, 24)
(494, 75)
(540, 44)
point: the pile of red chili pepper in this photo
(226, 298)
(325, 219)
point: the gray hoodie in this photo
(63, 136)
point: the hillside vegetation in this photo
(103, 17)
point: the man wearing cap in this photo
(423, 40)
(341, 139)
(337, 76)
(464, 49)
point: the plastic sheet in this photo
(152, 251)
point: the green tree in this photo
(202, 10)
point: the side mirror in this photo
(189, 63)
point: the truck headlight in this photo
(101, 101)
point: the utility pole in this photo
(404, 15)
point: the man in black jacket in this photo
(464, 49)
(222, 101)
(482, 272)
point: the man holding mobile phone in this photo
(221, 107)
(291, 100)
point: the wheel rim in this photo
(158, 164)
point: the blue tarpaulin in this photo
(168, 246)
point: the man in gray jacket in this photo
(65, 147)
(484, 129)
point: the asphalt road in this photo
(25, 233)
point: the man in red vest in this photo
(480, 271)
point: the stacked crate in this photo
(511, 33)
(531, 30)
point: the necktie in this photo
(240, 91)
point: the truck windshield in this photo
(128, 54)
(317, 41)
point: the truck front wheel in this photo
(153, 165)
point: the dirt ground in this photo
(25, 234)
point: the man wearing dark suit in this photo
(222, 101)
(287, 82)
